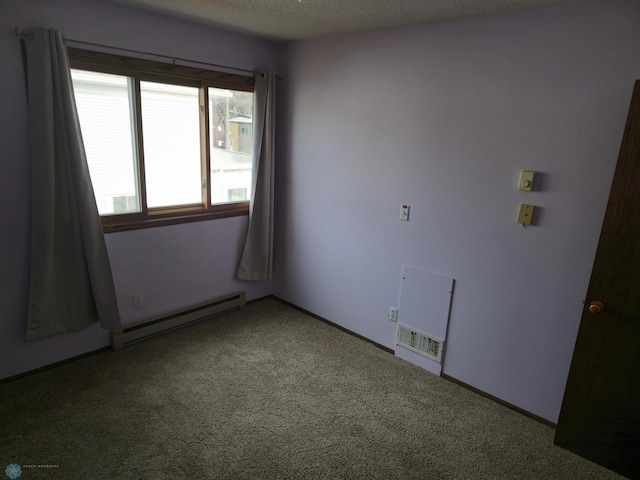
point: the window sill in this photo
(122, 223)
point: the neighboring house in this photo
(241, 133)
(230, 175)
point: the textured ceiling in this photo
(298, 19)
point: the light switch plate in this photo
(526, 180)
(525, 215)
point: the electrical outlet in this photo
(393, 314)
(137, 300)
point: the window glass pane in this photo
(231, 138)
(106, 122)
(171, 137)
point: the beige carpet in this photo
(266, 393)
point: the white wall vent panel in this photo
(420, 342)
(425, 302)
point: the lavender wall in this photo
(443, 117)
(173, 266)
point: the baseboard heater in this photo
(152, 327)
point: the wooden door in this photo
(600, 415)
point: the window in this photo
(165, 144)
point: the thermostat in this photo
(526, 180)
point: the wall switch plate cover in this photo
(525, 216)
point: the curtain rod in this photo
(27, 34)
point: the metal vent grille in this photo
(420, 342)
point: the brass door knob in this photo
(596, 307)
